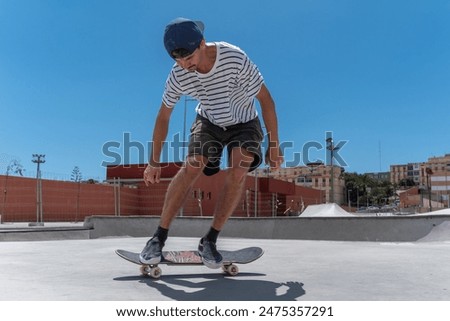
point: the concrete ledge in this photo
(44, 234)
(378, 229)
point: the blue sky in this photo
(80, 78)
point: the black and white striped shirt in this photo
(226, 93)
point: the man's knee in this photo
(241, 160)
(194, 165)
(240, 164)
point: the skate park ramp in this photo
(445, 211)
(325, 210)
(439, 232)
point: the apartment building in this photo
(410, 171)
(326, 178)
(436, 170)
(379, 176)
(439, 170)
(432, 176)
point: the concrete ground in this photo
(289, 270)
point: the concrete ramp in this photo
(325, 210)
(438, 233)
(445, 211)
(344, 228)
(51, 231)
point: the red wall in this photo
(70, 201)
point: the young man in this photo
(225, 82)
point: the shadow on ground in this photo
(213, 287)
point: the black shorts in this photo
(209, 141)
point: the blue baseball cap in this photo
(182, 37)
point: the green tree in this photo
(76, 175)
(363, 190)
(15, 167)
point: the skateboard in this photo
(230, 259)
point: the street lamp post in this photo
(331, 148)
(39, 159)
(348, 198)
(429, 172)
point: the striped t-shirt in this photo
(226, 93)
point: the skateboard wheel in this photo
(231, 269)
(155, 272)
(144, 269)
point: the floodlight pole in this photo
(429, 172)
(39, 159)
(331, 148)
(348, 198)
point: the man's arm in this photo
(274, 157)
(152, 173)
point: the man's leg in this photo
(179, 188)
(233, 188)
(226, 204)
(175, 196)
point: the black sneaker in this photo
(210, 256)
(152, 252)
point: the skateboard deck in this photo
(230, 259)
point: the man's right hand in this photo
(152, 174)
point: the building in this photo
(327, 179)
(439, 177)
(413, 172)
(436, 168)
(417, 200)
(432, 178)
(380, 176)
